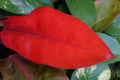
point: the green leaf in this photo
(63, 7)
(23, 6)
(111, 42)
(83, 9)
(114, 46)
(118, 70)
(95, 72)
(4, 14)
(107, 10)
(117, 19)
(16, 68)
(114, 29)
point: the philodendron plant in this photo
(59, 39)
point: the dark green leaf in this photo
(63, 7)
(83, 9)
(4, 14)
(95, 72)
(118, 70)
(23, 6)
(17, 68)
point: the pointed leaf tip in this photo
(48, 36)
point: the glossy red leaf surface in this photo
(48, 36)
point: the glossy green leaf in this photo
(95, 72)
(16, 68)
(23, 6)
(83, 9)
(114, 46)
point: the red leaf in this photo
(48, 36)
(0, 35)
